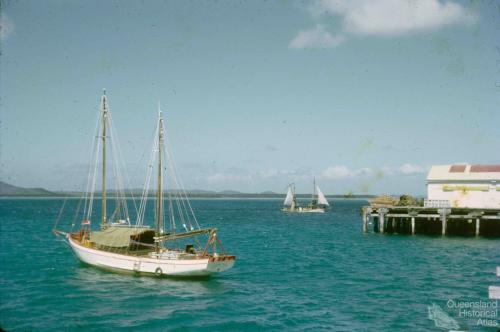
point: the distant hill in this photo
(268, 192)
(10, 190)
(229, 192)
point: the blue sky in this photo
(363, 95)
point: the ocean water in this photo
(293, 272)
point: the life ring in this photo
(158, 272)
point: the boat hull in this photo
(150, 265)
(304, 210)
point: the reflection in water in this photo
(90, 279)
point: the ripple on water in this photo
(293, 272)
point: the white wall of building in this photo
(464, 188)
(465, 194)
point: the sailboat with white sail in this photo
(318, 201)
(161, 250)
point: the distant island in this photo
(8, 190)
(13, 191)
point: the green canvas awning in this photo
(117, 237)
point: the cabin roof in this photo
(117, 237)
(464, 173)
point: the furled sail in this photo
(321, 198)
(289, 197)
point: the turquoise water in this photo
(293, 272)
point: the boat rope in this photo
(120, 171)
(179, 183)
(54, 228)
(92, 165)
(77, 211)
(120, 197)
(145, 191)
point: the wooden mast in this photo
(159, 194)
(104, 115)
(314, 192)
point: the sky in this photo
(363, 95)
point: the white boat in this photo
(158, 250)
(318, 202)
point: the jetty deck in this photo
(431, 220)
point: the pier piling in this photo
(365, 219)
(381, 220)
(432, 220)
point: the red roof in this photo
(457, 168)
(484, 168)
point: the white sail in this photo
(289, 197)
(321, 198)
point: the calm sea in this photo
(293, 272)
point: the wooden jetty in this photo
(431, 220)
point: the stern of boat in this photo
(220, 263)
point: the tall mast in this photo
(159, 194)
(104, 116)
(314, 188)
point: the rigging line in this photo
(120, 197)
(178, 192)
(164, 180)
(92, 191)
(145, 189)
(119, 201)
(92, 180)
(76, 213)
(144, 197)
(180, 197)
(176, 205)
(91, 158)
(170, 190)
(116, 176)
(185, 201)
(145, 192)
(116, 141)
(179, 208)
(185, 210)
(180, 184)
(60, 213)
(149, 175)
(171, 210)
(88, 213)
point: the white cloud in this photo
(236, 176)
(315, 38)
(6, 27)
(233, 175)
(343, 172)
(409, 169)
(395, 17)
(384, 17)
(338, 172)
